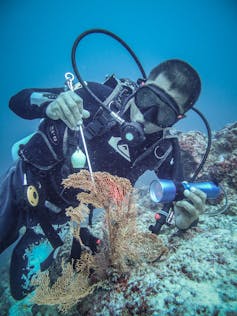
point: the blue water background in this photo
(37, 36)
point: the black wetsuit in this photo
(45, 160)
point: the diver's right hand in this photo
(68, 107)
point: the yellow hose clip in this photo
(32, 195)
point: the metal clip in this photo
(69, 80)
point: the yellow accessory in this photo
(32, 195)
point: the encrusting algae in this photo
(123, 246)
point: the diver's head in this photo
(171, 89)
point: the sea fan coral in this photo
(123, 243)
(122, 248)
(104, 190)
(69, 288)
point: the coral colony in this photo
(123, 247)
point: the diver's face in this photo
(137, 116)
(154, 107)
(163, 82)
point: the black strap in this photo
(101, 123)
(48, 229)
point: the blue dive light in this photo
(165, 191)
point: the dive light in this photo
(165, 191)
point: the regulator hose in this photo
(114, 36)
(226, 205)
(208, 145)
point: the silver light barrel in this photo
(162, 191)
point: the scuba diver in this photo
(32, 195)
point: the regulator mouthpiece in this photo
(132, 133)
(78, 159)
(165, 191)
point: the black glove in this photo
(88, 240)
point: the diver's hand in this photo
(189, 209)
(68, 107)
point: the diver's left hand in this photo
(189, 209)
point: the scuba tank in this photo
(16, 146)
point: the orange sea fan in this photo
(105, 189)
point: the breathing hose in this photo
(208, 145)
(114, 36)
(223, 208)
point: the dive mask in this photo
(156, 106)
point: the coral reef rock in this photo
(221, 164)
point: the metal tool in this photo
(69, 82)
